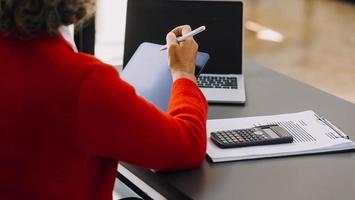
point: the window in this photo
(110, 30)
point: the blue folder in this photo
(148, 72)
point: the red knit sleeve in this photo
(115, 123)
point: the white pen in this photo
(186, 36)
(332, 126)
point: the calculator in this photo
(260, 135)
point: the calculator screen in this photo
(271, 133)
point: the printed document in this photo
(310, 135)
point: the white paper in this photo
(310, 136)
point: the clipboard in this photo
(148, 72)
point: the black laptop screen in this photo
(150, 20)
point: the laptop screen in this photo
(150, 20)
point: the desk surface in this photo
(323, 177)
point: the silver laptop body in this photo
(217, 93)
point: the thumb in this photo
(171, 39)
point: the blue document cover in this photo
(148, 72)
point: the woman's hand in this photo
(182, 55)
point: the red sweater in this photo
(66, 119)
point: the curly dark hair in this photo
(27, 18)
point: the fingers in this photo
(181, 55)
(186, 29)
(171, 39)
(181, 30)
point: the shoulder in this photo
(59, 52)
(81, 64)
(93, 72)
(95, 66)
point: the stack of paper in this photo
(311, 135)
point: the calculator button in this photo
(258, 133)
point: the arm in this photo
(117, 124)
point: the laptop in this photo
(221, 80)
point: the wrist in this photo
(182, 74)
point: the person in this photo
(66, 118)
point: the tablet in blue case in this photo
(148, 72)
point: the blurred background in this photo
(312, 41)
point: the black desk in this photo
(323, 177)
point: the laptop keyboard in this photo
(220, 82)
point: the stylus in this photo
(186, 36)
